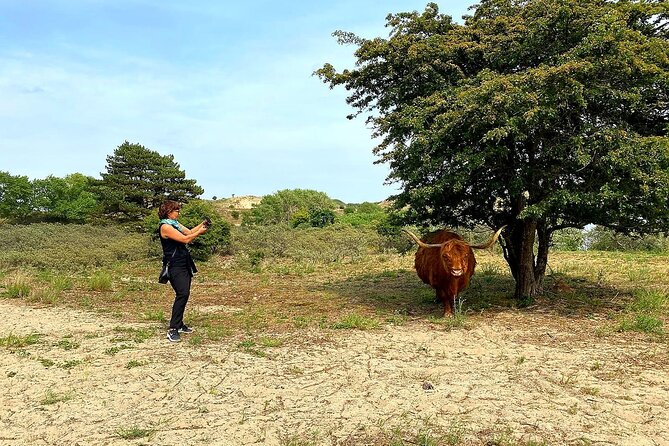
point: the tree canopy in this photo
(16, 196)
(536, 114)
(282, 206)
(138, 180)
(68, 199)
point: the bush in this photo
(362, 215)
(604, 239)
(570, 239)
(329, 244)
(280, 207)
(55, 246)
(215, 241)
(319, 218)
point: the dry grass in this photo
(608, 290)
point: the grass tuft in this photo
(53, 397)
(100, 281)
(356, 321)
(13, 341)
(133, 432)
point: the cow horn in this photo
(490, 242)
(420, 242)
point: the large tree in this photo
(66, 200)
(16, 197)
(535, 114)
(281, 206)
(138, 180)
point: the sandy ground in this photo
(520, 376)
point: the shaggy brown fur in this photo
(446, 262)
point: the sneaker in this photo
(185, 329)
(173, 335)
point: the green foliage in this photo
(53, 397)
(300, 219)
(100, 281)
(16, 197)
(65, 200)
(535, 114)
(69, 247)
(133, 432)
(280, 207)
(364, 214)
(570, 239)
(17, 290)
(329, 244)
(139, 180)
(319, 218)
(14, 341)
(603, 239)
(215, 241)
(357, 322)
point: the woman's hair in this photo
(167, 207)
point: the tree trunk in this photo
(527, 270)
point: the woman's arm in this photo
(167, 231)
(195, 229)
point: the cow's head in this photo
(454, 257)
(454, 254)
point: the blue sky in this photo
(226, 87)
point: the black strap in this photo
(172, 258)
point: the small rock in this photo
(427, 385)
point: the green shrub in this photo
(329, 244)
(300, 219)
(319, 218)
(362, 215)
(280, 207)
(569, 239)
(604, 239)
(54, 246)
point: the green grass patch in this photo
(138, 335)
(52, 397)
(154, 315)
(67, 344)
(133, 432)
(100, 281)
(17, 290)
(13, 341)
(113, 350)
(356, 321)
(67, 365)
(643, 323)
(61, 283)
(645, 313)
(134, 363)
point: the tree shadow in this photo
(401, 292)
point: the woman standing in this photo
(174, 237)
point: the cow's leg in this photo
(448, 299)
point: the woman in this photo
(174, 237)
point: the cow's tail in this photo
(421, 243)
(490, 242)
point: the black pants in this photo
(180, 279)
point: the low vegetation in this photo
(281, 280)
